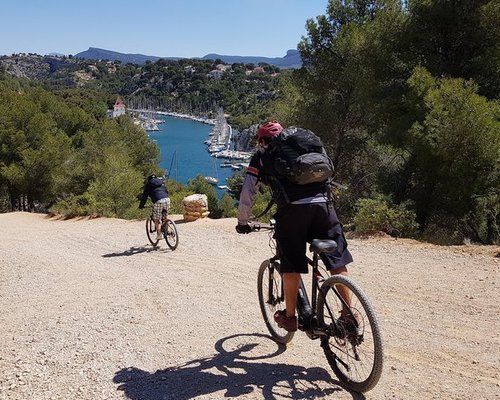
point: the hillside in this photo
(290, 60)
(195, 87)
(94, 53)
(91, 311)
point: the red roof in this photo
(119, 102)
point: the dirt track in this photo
(89, 310)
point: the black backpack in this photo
(299, 156)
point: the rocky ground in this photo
(90, 310)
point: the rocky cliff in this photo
(34, 66)
(243, 140)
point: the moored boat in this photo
(211, 180)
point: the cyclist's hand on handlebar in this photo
(255, 227)
(243, 228)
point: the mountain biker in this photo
(308, 214)
(156, 189)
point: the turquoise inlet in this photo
(183, 153)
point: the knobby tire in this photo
(171, 235)
(364, 342)
(151, 231)
(272, 300)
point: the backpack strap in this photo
(268, 207)
(277, 189)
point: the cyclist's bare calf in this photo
(291, 283)
(343, 291)
(158, 227)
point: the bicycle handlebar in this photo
(257, 227)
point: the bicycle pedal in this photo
(305, 324)
(311, 335)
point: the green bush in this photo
(262, 200)
(76, 206)
(443, 231)
(176, 201)
(378, 215)
(227, 205)
(235, 183)
(115, 188)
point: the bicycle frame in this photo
(336, 311)
(163, 218)
(307, 308)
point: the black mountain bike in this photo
(168, 229)
(346, 324)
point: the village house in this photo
(118, 109)
(215, 74)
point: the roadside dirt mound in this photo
(91, 311)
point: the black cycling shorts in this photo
(299, 224)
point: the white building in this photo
(118, 109)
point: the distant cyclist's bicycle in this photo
(168, 229)
(346, 324)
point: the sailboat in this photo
(211, 179)
(173, 167)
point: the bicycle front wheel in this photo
(151, 231)
(272, 299)
(171, 235)
(354, 347)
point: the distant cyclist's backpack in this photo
(299, 156)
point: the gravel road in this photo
(90, 310)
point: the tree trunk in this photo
(492, 232)
(476, 237)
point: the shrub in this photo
(76, 206)
(115, 191)
(227, 205)
(235, 183)
(378, 215)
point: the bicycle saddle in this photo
(323, 246)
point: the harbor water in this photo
(183, 153)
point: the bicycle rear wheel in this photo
(151, 231)
(272, 299)
(170, 234)
(354, 349)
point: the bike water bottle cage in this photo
(323, 246)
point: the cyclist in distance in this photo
(308, 214)
(157, 191)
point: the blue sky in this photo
(168, 28)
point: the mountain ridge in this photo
(290, 60)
